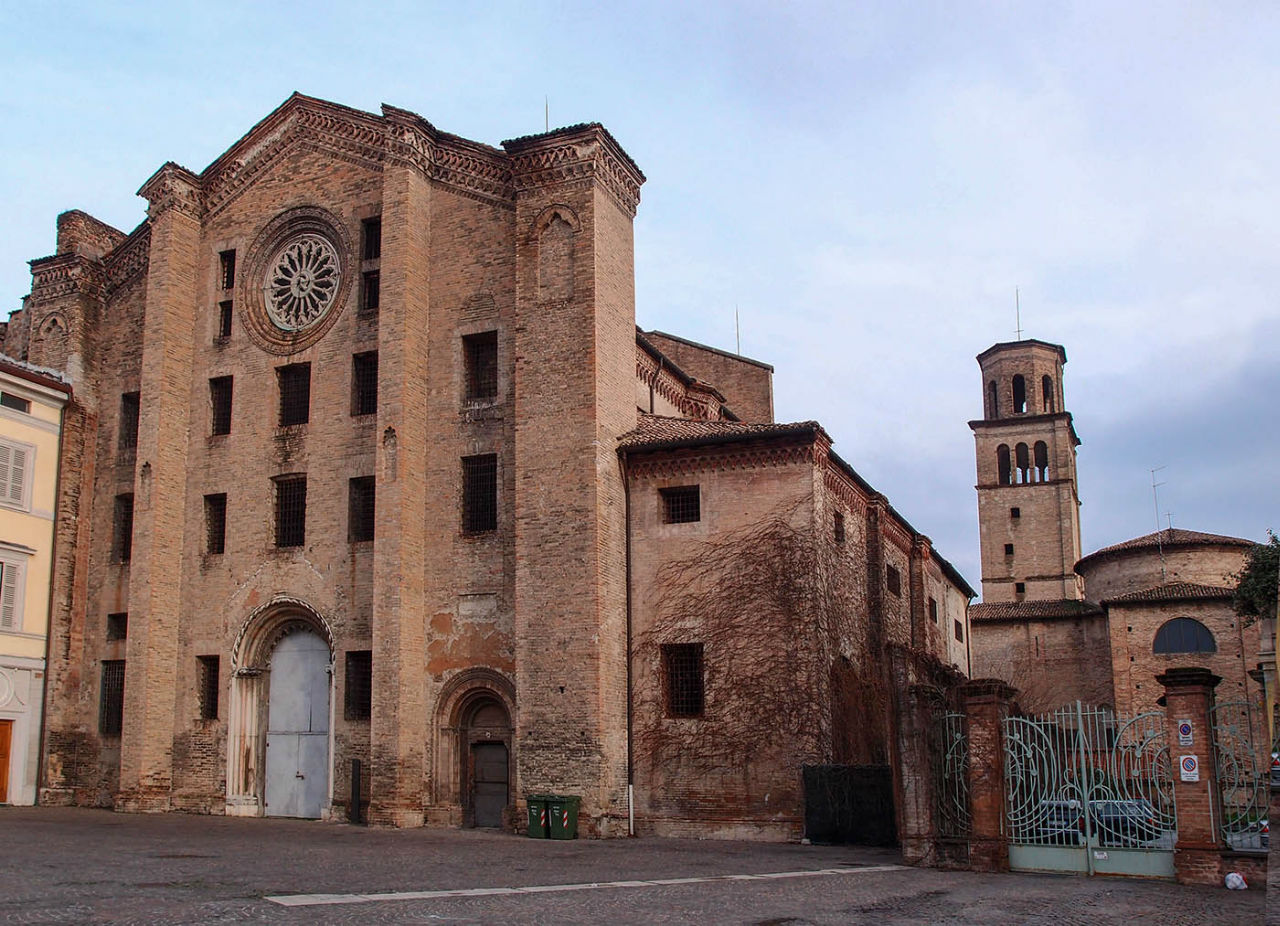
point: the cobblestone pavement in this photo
(95, 867)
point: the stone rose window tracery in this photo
(301, 282)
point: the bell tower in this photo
(1028, 499)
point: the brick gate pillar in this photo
(1188, 696)
(918, 764)
(986, 705)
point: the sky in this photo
(865, 185)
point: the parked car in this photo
(1125, 823)
(1275, 770)
(1058, 823)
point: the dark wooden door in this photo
(6, 735)
(489, 788)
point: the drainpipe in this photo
(626, 508)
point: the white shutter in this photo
(8, 596)
(6, 455)
(17, 474)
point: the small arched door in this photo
(297, 767)
(488, 731)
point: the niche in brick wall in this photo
(556, 229)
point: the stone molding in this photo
(173, 188)
(721, 459)
(128, 260)
(576, 156)
(66, 275)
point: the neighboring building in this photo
(31, 404)
(368, 461)
(1099, 628)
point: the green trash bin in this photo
(537, 815)
(562, 814)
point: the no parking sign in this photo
(1189, 766)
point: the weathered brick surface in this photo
(746, 384)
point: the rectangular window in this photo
(372, 238)
(959, 631)
(295, 393)
(1020, 588)
(1008, 549)
(480, 493)
(227, 269)
(111, 698)
(220, 399)
(122, 529)
(481, 356)
(15, 465)
(364, 383)
(1015, 512)
(681, 504)
(11, 595)
(357, 702)
(224, 319)
(17, 403)
(291, 511)
(215, 523)
(360, 509)
(839, 528)
(893, 580)
(117, 627)
(370, 292)
(933, 610)
(207, 686)
(682, 664)
(127, 440)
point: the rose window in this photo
(301, 282)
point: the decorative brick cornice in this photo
(896, 534)
(173, 188)
(578, 153)
(130, 259)
(843, 488)
(722, 458)
(65, 275)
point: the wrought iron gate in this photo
(1241, 782)
(1090, 792)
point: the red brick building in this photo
(368, 461)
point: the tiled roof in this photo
(1025, 610)
(1172, 537)
(654, 432)
(1178, 591)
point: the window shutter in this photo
(17, 474)
(6, 456)
(8, 596)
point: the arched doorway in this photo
(487, 777)
(279, 737)
(297, 763)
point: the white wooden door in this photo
(297, 775)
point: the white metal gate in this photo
(1090, 792)
(297, 767)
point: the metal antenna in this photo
(1017, 311)
(546, 113)
(737, 329)
(1155, 497)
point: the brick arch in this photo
(268, 623)
(461, 693)
(550, 214)
(465, 694)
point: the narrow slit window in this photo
(117, 627)
(111, 698)
(681, 504)
(227, 269)
(893, 580)
(933, 610)
(1019, 395)
(481, 352)
(224, 319)
(130, 405)
(207, 686)
(372, 229)
(838, 528)
(361, 505)
(291, 511)
(122, 529)
(364, 383)
(959, 631)
(480, 493)
(215, 523)
(683, 667)
(357, 701)
(220, 391)
(295, 393)
(1046, 395)
(370, 291)
(1008, 549)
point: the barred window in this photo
(291, 511)
(480, 493)
(360, 509)
(207, 686)
(893, 580)
(838, 527)
(681, 505)
(129, 408)
(370, 291)
(372, 238)
(481, 355)
(364, 383)
(111, 698)
(227, 268)
(220, 390)
(295, 393)
(357, 702)
(224, 319)
(682, 664)
(117, 627)
(215, 523)
(122, 529)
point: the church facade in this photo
(367, 462)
